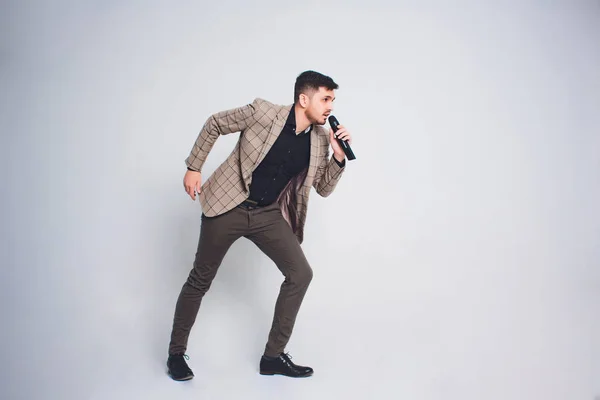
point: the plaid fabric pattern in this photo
(259, 124)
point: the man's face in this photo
(320, 105)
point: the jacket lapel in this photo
(315, 156)
(274, 132)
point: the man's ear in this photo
(303, 100)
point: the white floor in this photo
(414, 336)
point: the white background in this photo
(458, 258)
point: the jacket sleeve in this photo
(328, 174)
(221, 123)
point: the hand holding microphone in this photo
(344, 144)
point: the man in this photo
(261, 192)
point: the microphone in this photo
(333, 122)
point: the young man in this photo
(261, 192)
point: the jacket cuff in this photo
(340, 164)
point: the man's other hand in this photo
(192, 182)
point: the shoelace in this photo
(287, 358)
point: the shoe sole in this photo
(186, 378)
(282, 374)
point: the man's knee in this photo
(303, 276)
(201, 277)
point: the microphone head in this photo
(333, 122)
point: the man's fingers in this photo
(189, 191)
(193, 189)
(340, 132)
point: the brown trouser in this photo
(267, 228)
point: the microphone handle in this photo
(343, 143)
(346, 147)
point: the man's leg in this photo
(217, 234)
(272, 234)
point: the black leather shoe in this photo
(283, 365)
(178, 368)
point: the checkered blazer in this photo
(259, 124)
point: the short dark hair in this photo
(312, 80)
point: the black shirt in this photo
(289, 155)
